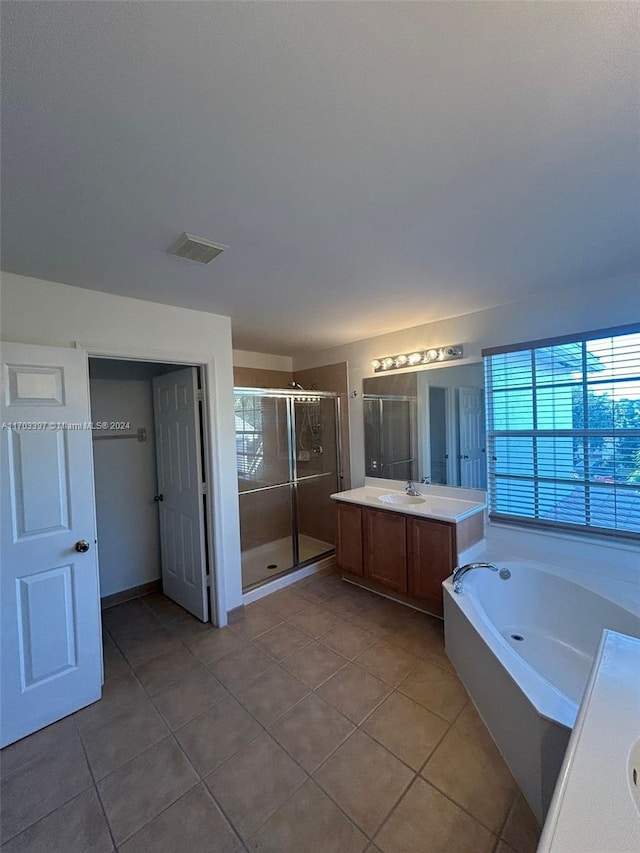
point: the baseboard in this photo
(129, 594)
(235, 615)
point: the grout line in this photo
(95, 785)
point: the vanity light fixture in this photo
(427, 356)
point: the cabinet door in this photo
(385, 543)
(349, 545)
(431, 550)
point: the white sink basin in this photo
(404, 500)
(634, 773)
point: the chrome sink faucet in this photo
(410, 489)
(462, 570)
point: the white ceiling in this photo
(372, 166)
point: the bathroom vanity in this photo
(404, 546)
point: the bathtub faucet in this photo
(459, 573)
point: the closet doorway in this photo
(150, 477)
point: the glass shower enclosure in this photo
(288, 462)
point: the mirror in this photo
(427, 425)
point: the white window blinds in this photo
(563, 432)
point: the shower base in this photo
(278, 553)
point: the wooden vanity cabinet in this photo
(385, 548)
(431, 558)
(394, 553)
(349, 540)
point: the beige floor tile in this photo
(217, 734)
(322, 585)
(272, 694)
(470, 722)
(348, 640)
(214, 644)
(307, 822)
(77, 827)
(117, 693)
(406, 729)
(38, 787)
(256, 621)
(252, 784)
(365, 780)
(140, 647)
(164, 608)
(235, 669)
(422, 637)
(163, 670)
(474, 776)
(311, 731)
(128, 617)
(129, 732)
(314, 664)
(503, 847)
(194, 823)
(188, 627)
(185, 699)
(316, 621)
(282, 641)
(439, 691)
(114, 661)
(33, 747)
(354, 692)
(388, 662)
(425, 820)
(283, 603)
(521, 829)
(141, 789)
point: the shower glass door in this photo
(316, 470)
(287, 463)
(265, 486)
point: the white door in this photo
(51, 636)
(473, 473)
(180, 490)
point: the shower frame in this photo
(295, 394)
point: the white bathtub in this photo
(528, 690)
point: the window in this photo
(249, 436)
(563, 432)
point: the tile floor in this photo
(328, 721)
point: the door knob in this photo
(158, 498)
(82, 546)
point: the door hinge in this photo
(208, 580)
(199, 396)
(203, 489)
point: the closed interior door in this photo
(180, 490)
(51, 638)
(473, 472)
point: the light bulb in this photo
(376, 364)
(387, 363)
(401, 360)
(415, 358)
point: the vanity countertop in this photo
(430, 506)
(596, 804)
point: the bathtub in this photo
(523, 647)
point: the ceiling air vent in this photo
(196, 249)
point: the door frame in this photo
(213, 521)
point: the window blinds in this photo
(563, 432)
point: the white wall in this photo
(592, 305)
(261, 360)
(126, 481)
(49, 313)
